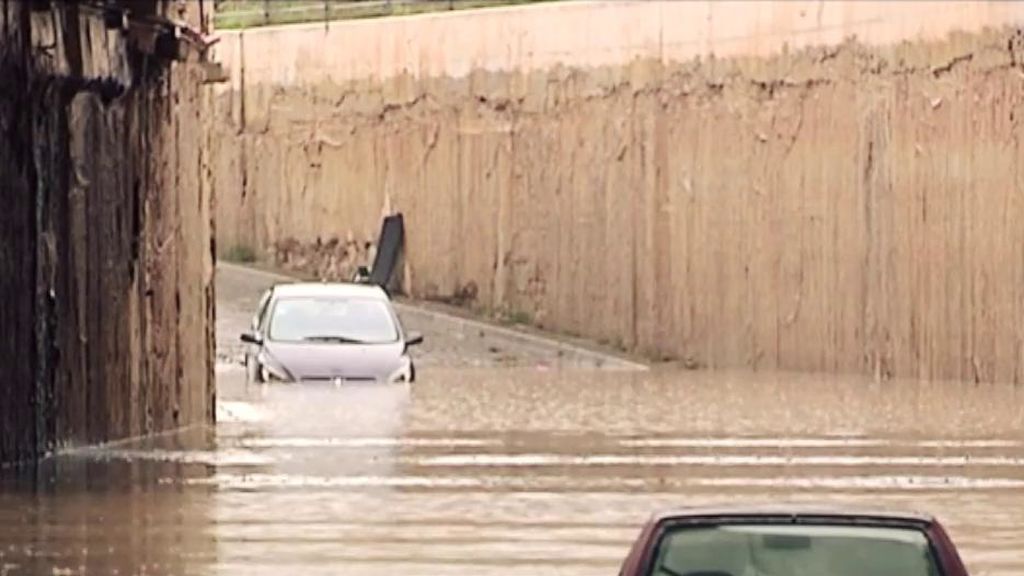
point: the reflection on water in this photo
(513, 472)
(92, 513)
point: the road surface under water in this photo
(512, 472)
(528, 470)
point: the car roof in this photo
(793, 510)
(329, 289)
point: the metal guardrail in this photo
(251, 13)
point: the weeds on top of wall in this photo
(236, 14)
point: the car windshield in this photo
(794, 550)
(333, 320)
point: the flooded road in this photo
(531, 469)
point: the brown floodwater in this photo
(512, 472)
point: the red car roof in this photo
(795, 510)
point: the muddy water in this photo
(512, 472)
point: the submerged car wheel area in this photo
(777, 542)
(307, 332)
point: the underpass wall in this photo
(106, 263)
(820, 186)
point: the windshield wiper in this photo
(338, 339)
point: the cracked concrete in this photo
(848, 206)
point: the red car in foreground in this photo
(792, 541)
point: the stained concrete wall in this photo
(106, 276)
(826, 186)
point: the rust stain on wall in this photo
(843, 209)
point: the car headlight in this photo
(403, 374)
(271, 371)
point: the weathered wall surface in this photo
(827, 186)
(105, 233)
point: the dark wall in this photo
(105, 250)
(17, 244)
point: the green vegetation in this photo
(249, 13)
(516, 317)
(239, 254)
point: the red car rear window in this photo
(794, 550)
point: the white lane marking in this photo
(512, 460)
(240, 411)
(839, 482)
(364, 442)
(263, 481)
(909, 482)
(811, 443)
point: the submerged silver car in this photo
(320, 332)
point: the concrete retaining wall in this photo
(106, 267)
(782, 185)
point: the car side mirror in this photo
(414, 339)
(252, 338)
(362, 275)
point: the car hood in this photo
(327, 361)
